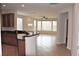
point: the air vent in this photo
(53, 3)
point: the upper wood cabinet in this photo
(8, 20)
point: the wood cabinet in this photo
(8, 20)
(8, 50)
(21, 46)
(9, 37)
(11, 45)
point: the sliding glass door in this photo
(45, 25)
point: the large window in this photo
(34, 25)
(54, 25)
(19, 24)
(45, 25)
(39, 25)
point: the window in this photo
(39, 25)
(46, 25)
(54, 25)
(19, 24)
(34, 25)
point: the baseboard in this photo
(60, 43)
(68, 48)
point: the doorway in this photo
(66, 33)
(0, 38)
(63, 29)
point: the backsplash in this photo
(8, 28)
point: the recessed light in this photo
(22, 5)
(4, 5)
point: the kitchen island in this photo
(31, 44)
(21, 43)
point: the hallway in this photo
(46, 46)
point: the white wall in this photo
(68, 9)
(62, 28)
(31, 45)
(75, 30)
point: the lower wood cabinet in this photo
(8, 50)
(11, 46)
(21, 46)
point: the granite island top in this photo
(22, 34)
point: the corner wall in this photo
(62, 28)
(75, 34)
(70, 11)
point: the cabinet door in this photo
(21, 46)
(11, 20)
(8, 50)
(4, 19)
(8, 20)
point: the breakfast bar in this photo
(23, 43)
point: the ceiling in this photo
(36, 9)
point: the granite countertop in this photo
(32, 34)
(23, 34)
